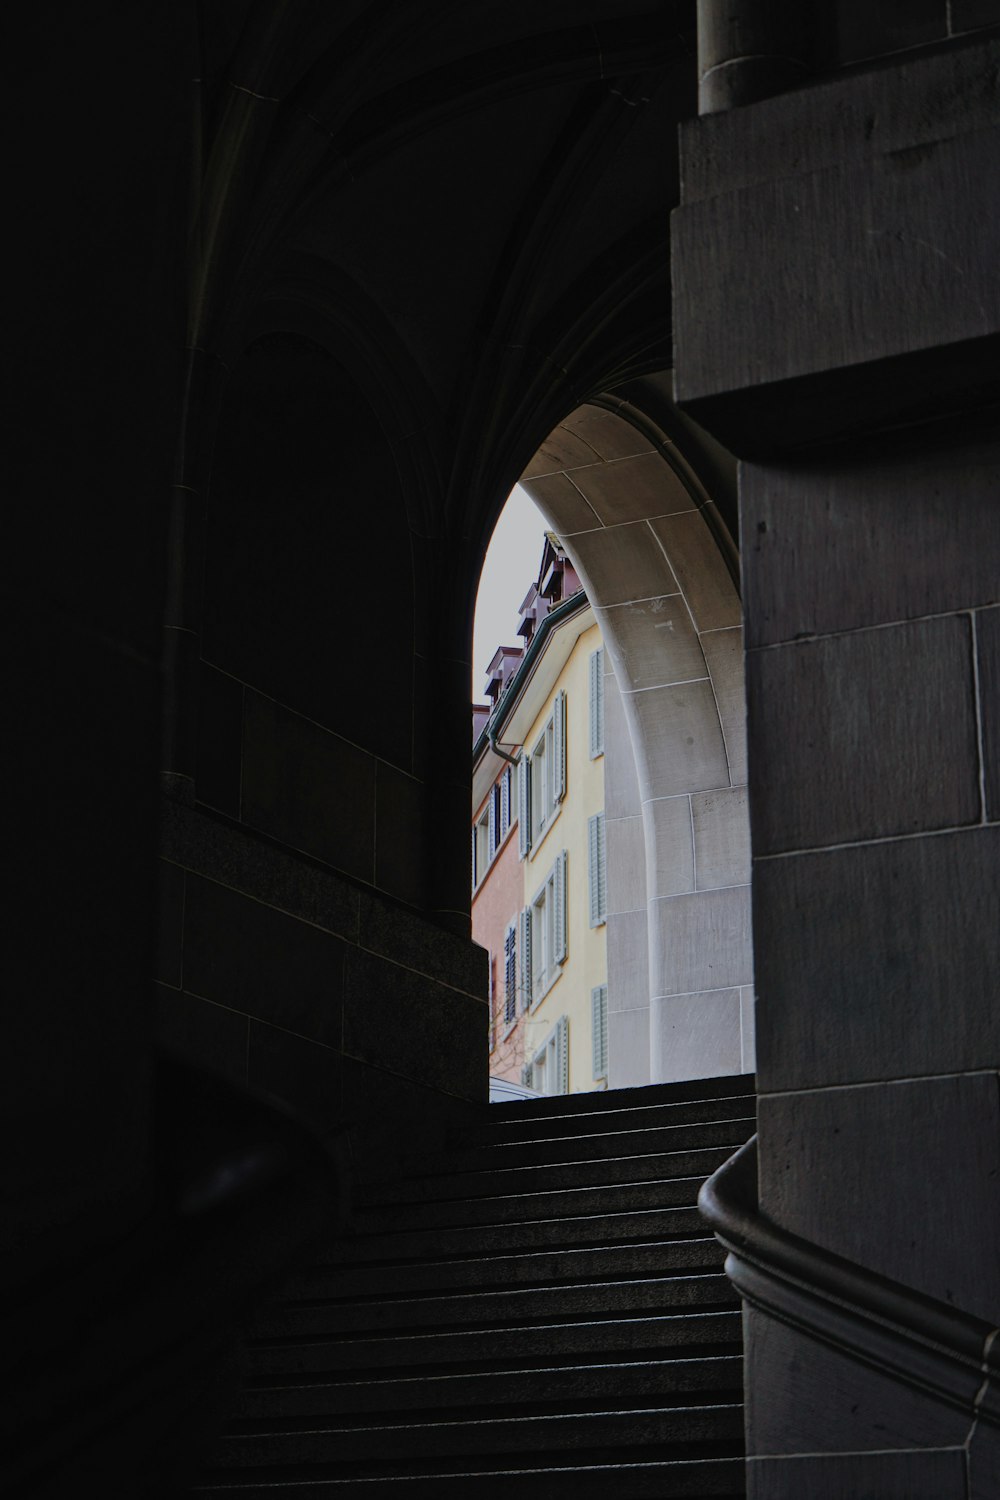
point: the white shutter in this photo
(510, 973)
(493, 840)
(559, 749)
(525, 946)
(596, 703)
(599, 1028)
(562, 1056)
(559, 909)
(475, 872)
(597, 870)
(524, 805)
(504, 803)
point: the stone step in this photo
(500, 1181)
(599, 1145)
(271, 1444)
(693, 1333)
(486, 1310)
(708, 1475)
(401, 1243)
(589, 1114)
(649, 1383)
(517, 1207)
(527, 1268)
(726, 1086)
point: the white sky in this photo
(510, 569)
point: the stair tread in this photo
(539, 1304)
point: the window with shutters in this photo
(543, 778)
(543, 950)
(510, 975)
(596, 703)
(597, 860)
(599, 1027)
(548, 1070)
(493, 825)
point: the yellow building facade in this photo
(562, 930)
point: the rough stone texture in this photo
(700, 939)
(652, 642)
(892, 730)
(930, 1230)
(621, 563)
(669, 846)
(447, 1050)
(626, 856)
(695, 1036)
(609, 435)
(748, 1029)
(721, 838)
(697, 564)
(799, 1390)
(633, 488)
(878, 962)
(621, 787)
(987, 624)
(723, 650)
(562, 503)
(678, 740)
(868, 1476)
(943, 539)
(855, 172)
(628, 1048)
(233, 856)
(628, 969)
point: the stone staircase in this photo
(538, 1310)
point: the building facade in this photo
(543, 919)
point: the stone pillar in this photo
(749, 49)
(837, 324)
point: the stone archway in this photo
(651, 549)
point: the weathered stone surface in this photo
(927, 1475)
(885, 739)
(700, 941)
(621, 563)
(878, 961)
(695, 1036)
(561, 503)
(652, 642)
(621, 778)
(669, 846)
(448, 1050)
(631, 489)
(697, 563)
(723, 651)
(626, 854)
(628, 963)
(721, 838)
(628, 1048)
(798, 1389)
(932, 1216)
(987, 624)
(678, 740)
(817, 538)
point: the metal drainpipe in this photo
(751, 49)
(502, 753)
